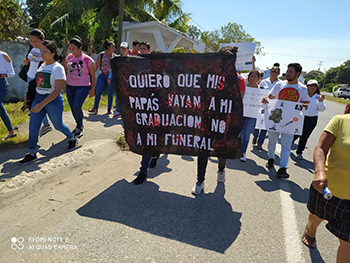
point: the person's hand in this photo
(25, 103)
(109, 81)
(265, 100)
(25, 62)
(254, 59)
(319, 182)
(91, 93)
(37, 108)
(321, 98)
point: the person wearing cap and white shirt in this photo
(311, 115)
(124, 52)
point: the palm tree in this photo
(98, 17)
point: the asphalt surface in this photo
(91, 212)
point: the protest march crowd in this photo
(47, 74)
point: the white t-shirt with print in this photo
(290, 92)
(34, 57)
(46, 77)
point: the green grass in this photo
(17, 117)
(339, 100)
(121, 142)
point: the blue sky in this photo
(306, 31)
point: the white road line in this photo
(291, 235)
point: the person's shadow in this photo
(161, 168)
(106, 119)
(12, 169)
(307, 165)
(206, 221)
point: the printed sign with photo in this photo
(245, 53)
(281, 116)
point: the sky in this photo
(307, 31)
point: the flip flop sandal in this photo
(311, 241)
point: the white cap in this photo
(312, 81)
(124, 45)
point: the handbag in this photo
(23, 72)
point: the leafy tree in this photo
(230, 33)
(36, 10)
(13, 19)
(343, 75)
(194, 32)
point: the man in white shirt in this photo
(290, 90)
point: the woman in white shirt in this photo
(311, 115)
(6, 71)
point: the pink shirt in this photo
(78, 71)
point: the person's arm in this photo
(93, 79)
(320, 103)
(320, 153)
(254, 59)
(59, 85)
(98, 62)
(110, 76)
(10, 72)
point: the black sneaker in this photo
(270, 163)
(153, 163)
(282, 173)
(72, 144)
(140, 178)
(28, 158)
(78, 132)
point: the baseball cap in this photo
(124, 45)
(312, 81)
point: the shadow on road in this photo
(106, 119)
(206, 221)
(315, 256)
(307, 165)
(12, 169)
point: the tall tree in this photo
(14, 20)
(230, 33)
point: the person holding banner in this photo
(249, 122)
(331, 158)
(266, 84)
(202, 161)
(311, 115)
(290, 90)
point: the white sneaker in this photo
(221, 176)
(44, 130)
(198, 188)
(243, 159)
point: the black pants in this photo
(202, 162)
(309, 126)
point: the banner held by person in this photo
(252, 101)
(188, 104)
(281, 116)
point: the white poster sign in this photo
(244, 60)
(281, 116)
(252, 101)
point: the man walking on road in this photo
(290, 90)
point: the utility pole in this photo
(320, 64)
(120, 24)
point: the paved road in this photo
(92, 213)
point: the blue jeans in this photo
(55, 110)
(248, 127)
(101, 83)
(76, 96)
(45, 120)
(286, 142)
(260, 135)
(3, 113)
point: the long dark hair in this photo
(51, 45)
(107, 43)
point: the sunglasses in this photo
(275, 71)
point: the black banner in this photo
(187, 104)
